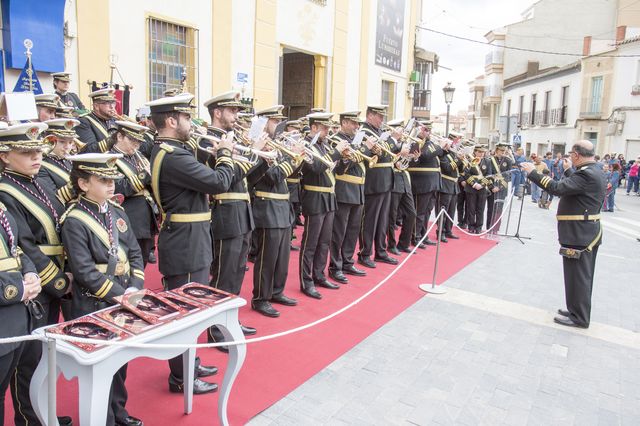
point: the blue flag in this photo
(22, 85)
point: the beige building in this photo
(338, 55)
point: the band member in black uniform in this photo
(46, 104)
(377, 189)
(293, 183)
(232, 219)
(104, 257)
(36, 211)
(55, 166)
(95, 126)
(181, 186)
(425, 181)
(502, 165)
(451, 164)
(476, 185)
(318, 205)
(19, 285)
(273, 217)
(349, 173)
(581, 195)
(402, 204)
(136, 185)
(61, 82)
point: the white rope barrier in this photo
(498, 221)
(126, 343)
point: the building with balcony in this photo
(544, 109)
(425, 64)
(477, 127)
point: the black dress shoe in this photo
(152, 259)
(429, 242)
(129, 421)
(65, 421)
(386, 259)
(365, 261)
(421, 246)
(452, 236)
(352, 270)
(462, 226)
(568, 322)
(338, 276)
(295, 248)
(206, 370)
(214, 335)
(394, 250)
(327, 284)
(281, 299)
(265, 308)
(564, 313)
(444, 239)
(404, 249)
(247, 331)
(312, 292)
(199, 386)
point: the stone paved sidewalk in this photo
(487, 352)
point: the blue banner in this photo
(22, 85)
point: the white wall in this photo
(558, 26)
(243, 14)
(626, 74)
(352, 77)
(129, 30)
(306, 26)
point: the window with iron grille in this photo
(173, 51)
(388, 97)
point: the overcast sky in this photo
(470, 19)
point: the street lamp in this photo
(448, 98)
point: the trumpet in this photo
(242, 153)
(254, 154)
(283, 149)
(351, 151)
(309, 152)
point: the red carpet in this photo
(274, 368)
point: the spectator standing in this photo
(632, 179)
(540, 167)
(613, 181)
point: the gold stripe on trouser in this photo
(189, 217)
(578, 217)
(272, 195)
(381, 165)
(351, 179)
(314, 188)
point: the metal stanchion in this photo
(52, 418)
(431, 288)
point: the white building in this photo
(623, 131)
(545, 108)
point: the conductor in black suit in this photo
(581, 193)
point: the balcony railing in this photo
(592, 107)
(422, 100)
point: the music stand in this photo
(517, 234)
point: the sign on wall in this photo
(389, 33)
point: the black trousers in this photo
(476, 202)
(230, 260)
(272, 262)
(447, 202)
(375, 224)
(146, 245)
(29, 360)
(315, 248)
(424, 204)
(461, 201)
(578, 285)
(402, 205)
(344, 235)
(8, 363)
(118, 396)
(171, 282)
(495, 204)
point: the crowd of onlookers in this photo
(619, 173)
